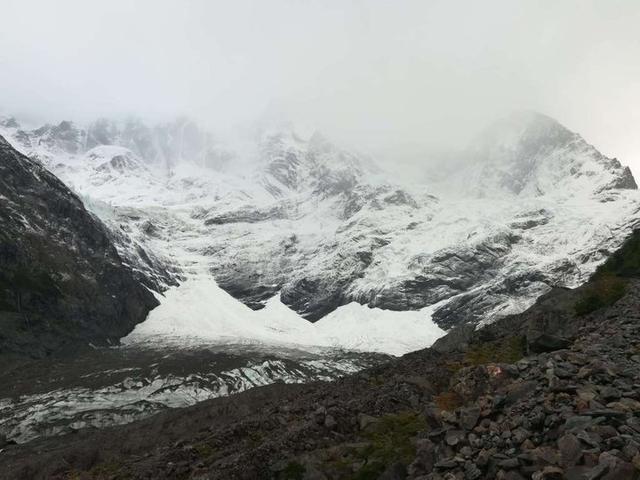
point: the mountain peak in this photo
(533, 117)
(528, 153)
(523, 130)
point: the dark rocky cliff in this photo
(62, 282)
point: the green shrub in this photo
(293, 471)
(204, 450)
(388, 441)
(626, 261)
(604, 290)
(505, 350)
(391, 439)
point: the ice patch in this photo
(199, 310)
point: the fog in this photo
(400, 79)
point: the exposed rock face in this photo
(291, 164)
(48, 140)
(62, 137)
(61, 280)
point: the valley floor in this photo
(101, 387)
(545, 394)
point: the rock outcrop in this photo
(62, 282)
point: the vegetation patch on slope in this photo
(609, 282)
(604, 290)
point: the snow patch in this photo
(200, 311)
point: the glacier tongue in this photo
(103, 387)
(199, 311)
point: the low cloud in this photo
(401, 79)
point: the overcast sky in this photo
(393, 76)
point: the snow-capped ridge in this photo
(531, 154)
(114, 158)
(291, 164)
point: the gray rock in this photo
(330, 422)
(366, 421)
(549, 473)
(610, 393)
(454, 437)
(509, 463)
(469, 417)
(446, 464)
(396, 471)
(621, 470)
(546, 455)
(577, 423)
(513, 475)
(433, 417)
(471, 471)
(547, 343)
(425, 457)
(519, 435)
(570, 450)
(595, 473)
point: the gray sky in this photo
(400, 77)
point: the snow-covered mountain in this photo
(529, 154)
(293, 220)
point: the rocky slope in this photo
(550, 393)
(62, 281)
